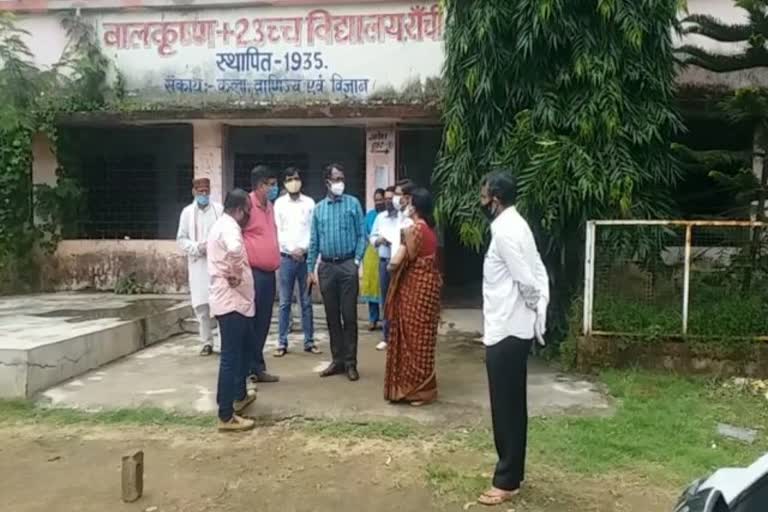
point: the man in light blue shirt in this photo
(385, 236)
(338, 239)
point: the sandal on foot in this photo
(495, 497)
(313, 350)
(280, 352)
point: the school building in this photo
(220, 85)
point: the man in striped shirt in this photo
(338, 239)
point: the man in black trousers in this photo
(337, 238)
(515, 298)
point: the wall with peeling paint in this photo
(100, 264)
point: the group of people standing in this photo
(234, 253)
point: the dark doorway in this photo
(418, 149)
(308, 148)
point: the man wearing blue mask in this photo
(261, 245)
(195, 223)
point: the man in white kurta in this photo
(195, 223)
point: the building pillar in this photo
(380, 153)
(208, 139)
(44, 161)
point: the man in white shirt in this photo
(401, 200)
(385, 237)
(293, 217)
(194, 224)
(515, 298)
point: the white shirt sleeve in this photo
(186, 244)
(375, 231)
(280, 224)
(310, 208)
(524, 264)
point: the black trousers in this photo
(339, 286)
(507, 365)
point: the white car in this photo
(729, 490)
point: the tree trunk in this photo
(758, 168)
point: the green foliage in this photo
(575, 99)
(30, 100)
(129, 285)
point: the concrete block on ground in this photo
(50, 338)
(133, 477)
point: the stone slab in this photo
(49, 338)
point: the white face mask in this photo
(397, 202)
(337, 188)
(293, 187)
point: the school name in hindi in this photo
(317, 27)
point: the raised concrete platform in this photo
(48, 338)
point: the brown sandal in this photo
(494, 497)
(280, 352)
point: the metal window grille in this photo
(688, 279)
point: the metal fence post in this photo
(686, 276)
(589, 276)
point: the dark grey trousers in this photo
(339, 287)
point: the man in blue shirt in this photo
(338, 239)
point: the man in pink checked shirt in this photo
(231, 302)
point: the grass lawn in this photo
(663, 432)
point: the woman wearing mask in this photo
(413, 308)
(370, 291)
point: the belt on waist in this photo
(341, 259)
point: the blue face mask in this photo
(202, 200)
(273, 192)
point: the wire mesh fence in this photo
(697, 279)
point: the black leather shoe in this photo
(333, 369)
(352, 374)
(263, 377)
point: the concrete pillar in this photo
(208, 139)
(380, 152)
(44, 161)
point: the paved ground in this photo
(172, 376)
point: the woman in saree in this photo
(413, 309)
(370, 289)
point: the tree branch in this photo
(722, 63)
(713, 28)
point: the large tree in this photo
(575, 99)
(748, 103)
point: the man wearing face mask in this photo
(261, 244)
(385, 237)
(515, 299)
(293, 216)
(195, 223)
(402, 199)
(231, 297)
(338, 240)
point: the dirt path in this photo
(283, 468)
